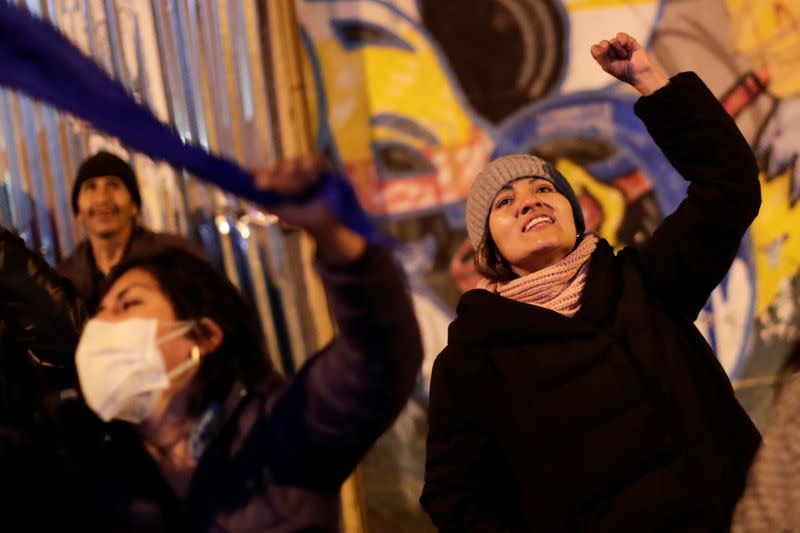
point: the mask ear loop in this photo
(188, 326)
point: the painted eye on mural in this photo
(353, 34)
(404, 126)
(397, 160)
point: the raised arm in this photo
(692, 249)
(347, 395)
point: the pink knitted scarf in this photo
(558, 287)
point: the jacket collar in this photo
(488, 318)
(218, 417)
(214, 418)
(84, 254)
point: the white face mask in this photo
(121, 367)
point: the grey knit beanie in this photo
(504, 170)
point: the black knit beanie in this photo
(105, 164)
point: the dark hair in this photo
(490, 263)
(196, 289)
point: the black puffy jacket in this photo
(40, 321)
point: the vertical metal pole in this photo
(52, 153)
(20, 205)
(280, 34)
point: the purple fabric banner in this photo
(36, 59)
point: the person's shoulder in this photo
(476, 299)
(173, 239)
(455, 353)
(606, 255)
(77, 259)
(461, 348)
(155, 241)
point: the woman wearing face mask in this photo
(575, 393)
(201, 433)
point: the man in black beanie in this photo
(106, 201)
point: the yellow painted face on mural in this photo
(606, 218)
(769, 32)
(400, 127)
(776, 244)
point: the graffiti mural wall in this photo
(414, 97)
